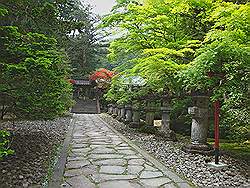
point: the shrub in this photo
(33, 75)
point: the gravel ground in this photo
(36, 144)
(191, 166)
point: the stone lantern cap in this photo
(198, 112)
(120, 106)
(135, 107)
(164, 108)
(150, 109)
(133, 80)
(128, 106)
(201, 101)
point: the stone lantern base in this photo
(204, 149)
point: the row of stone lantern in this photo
(200, 120)
(131, 114)
(121, 112)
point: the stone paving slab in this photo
(102, 158)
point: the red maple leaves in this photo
(101, 74)
(72, 81)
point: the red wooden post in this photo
(216, 130)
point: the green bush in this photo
(34, 75)
(182, 47)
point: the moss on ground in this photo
(238, 150)
(235, 149)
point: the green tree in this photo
(225, 57)
(33, 79)
(70, 22)
(159, 39)
(175, 45)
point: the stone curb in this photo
(57, 177)
(176, 179)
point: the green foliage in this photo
(83, 48)
(68, 21)
(159, 69)
(53, 18)
(157, 42)
(238, 150)
(225, 54)
(183, 46)
(118, 91)
(35, 38)
(33, 81)
(4, 144)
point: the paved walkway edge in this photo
(179, 181)
(58, 171)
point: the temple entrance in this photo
(85, 97)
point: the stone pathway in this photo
(82, 106)
(101, 157)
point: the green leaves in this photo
(70, 22)
(4, 144)
(156, 43)
(35, 83)
(222, 65)
(224, 51)
(184, 46)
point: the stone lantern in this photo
(200, 125)
(115, 110)
(150, 113)
(128, 113)
(110, 109)
(122, 113)
(136, 117)
(165, 130)
(132, 83)
(118, 112)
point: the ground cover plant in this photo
(4, 144)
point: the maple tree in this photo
(174, 45)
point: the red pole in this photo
(216, 130)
